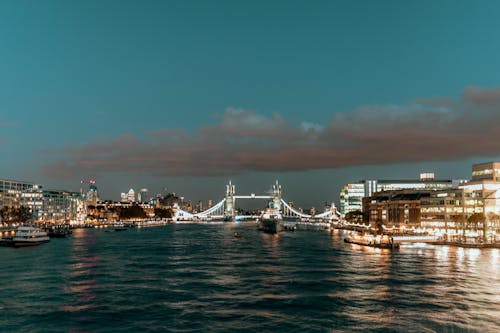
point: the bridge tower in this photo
(229, 205)
(277, 196)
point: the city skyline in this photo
(188, 95)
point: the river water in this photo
(200, 278)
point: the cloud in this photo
(244, 140)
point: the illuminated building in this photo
(469, 212)
(92, 194)
(51, 206)
(131, 195)
(351, 195)
(142, 196)
(199, 206)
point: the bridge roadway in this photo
(253, 196)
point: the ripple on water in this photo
(189, 278)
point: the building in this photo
(469, 212)
(61, 207)
(131, 195)
(11, 192)
(199, 206)
(92, 193)
(44, 206)
(351, 195)
(142, 196)
(399, 209)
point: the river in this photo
(200, 278)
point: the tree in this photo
(5, 214)
(475, 219)
(134, 211)
(163, 213)
(356, 216)
(11, 214)
(24, 214)
(459, 220)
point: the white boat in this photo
(29, 236)
(271, 221)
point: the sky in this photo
(186, 95)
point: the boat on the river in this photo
(378, 241)
(29, 236)
(271, 221)
(60, 232)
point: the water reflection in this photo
(81, 284)
(198, 278)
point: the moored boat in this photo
(59, 232)
(378, 241)
(29, 236)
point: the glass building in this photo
(351, 195)
(45, 206)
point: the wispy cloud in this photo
(244, 140)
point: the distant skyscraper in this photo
(199, 206)
(142, 196)
(131, 195)
(92, 195)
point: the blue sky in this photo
(90, 83)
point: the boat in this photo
(59, 232)
(271, 221)
(121, 229)
(6, 241)
(381, 242)
(29, 236)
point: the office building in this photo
(469, 212)
(351, 195)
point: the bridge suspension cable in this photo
(212, 211)
(293, 210)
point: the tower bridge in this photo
(226, 208)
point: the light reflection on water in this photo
(200, 277)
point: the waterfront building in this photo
(11, 192)
(469, 212)
(399, 209)
(61, 207)
(351, 195)
(50, 206)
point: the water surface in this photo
(200, 278)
